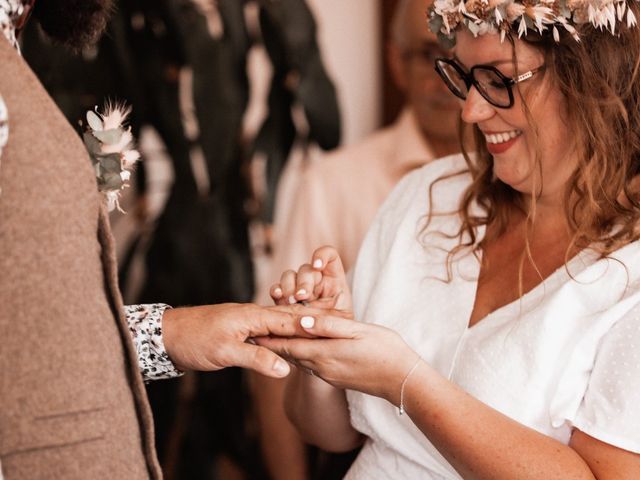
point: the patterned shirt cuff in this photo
(145, 326)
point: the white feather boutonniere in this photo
(110, 146)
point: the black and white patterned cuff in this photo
(145, 326)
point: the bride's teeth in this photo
(501, 137)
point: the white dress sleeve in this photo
(410, 193)
(610, 408)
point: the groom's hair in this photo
(73, 23)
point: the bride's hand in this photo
(320, 284)
(349, 354)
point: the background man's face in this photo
(436, 108)
(73, 23)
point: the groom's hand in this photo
(217, 336)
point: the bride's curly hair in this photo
(599, 79)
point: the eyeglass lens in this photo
(488, 81)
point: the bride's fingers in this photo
(277, 295)
(288, 285)
(330, 326)
(327, 303)
(327, 260)
(306, 281)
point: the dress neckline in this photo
(558, 276)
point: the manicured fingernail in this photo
(307, 322)
(281, 368)
(317, 263)
(277, 292)
(292, 300)
(301, 292)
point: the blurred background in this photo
(232, 100)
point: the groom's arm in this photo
(169, 341)
(145, 328)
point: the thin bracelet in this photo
(404, 382)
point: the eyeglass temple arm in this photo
(526, 75)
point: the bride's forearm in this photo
(480, 442)
(320, 413)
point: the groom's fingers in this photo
(261, 360)
(317, 307)
(299, 349)
(281, 321)
(289, 321)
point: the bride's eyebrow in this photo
(495, 63)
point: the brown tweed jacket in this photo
(72, 402)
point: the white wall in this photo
(349, 37)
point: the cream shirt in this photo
(565, 355)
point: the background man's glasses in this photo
(495, 87)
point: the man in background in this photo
(338, 196)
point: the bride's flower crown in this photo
(521, 16)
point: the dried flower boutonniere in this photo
(110, 146)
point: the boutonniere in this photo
(110, 145)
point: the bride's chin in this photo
(513, 177)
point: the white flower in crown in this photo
(110, 146)
(521, 16)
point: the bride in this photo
(497, 294)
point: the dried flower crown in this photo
(521, 16)
(110, 148)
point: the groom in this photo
(72, 402)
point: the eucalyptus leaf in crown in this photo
(521, 16)
(110, 146)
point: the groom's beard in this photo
(73, 23)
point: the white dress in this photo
(565, 355)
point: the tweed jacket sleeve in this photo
(145, 327)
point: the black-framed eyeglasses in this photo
(495, 87)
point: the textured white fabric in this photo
(565, 354)
(10, 11)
